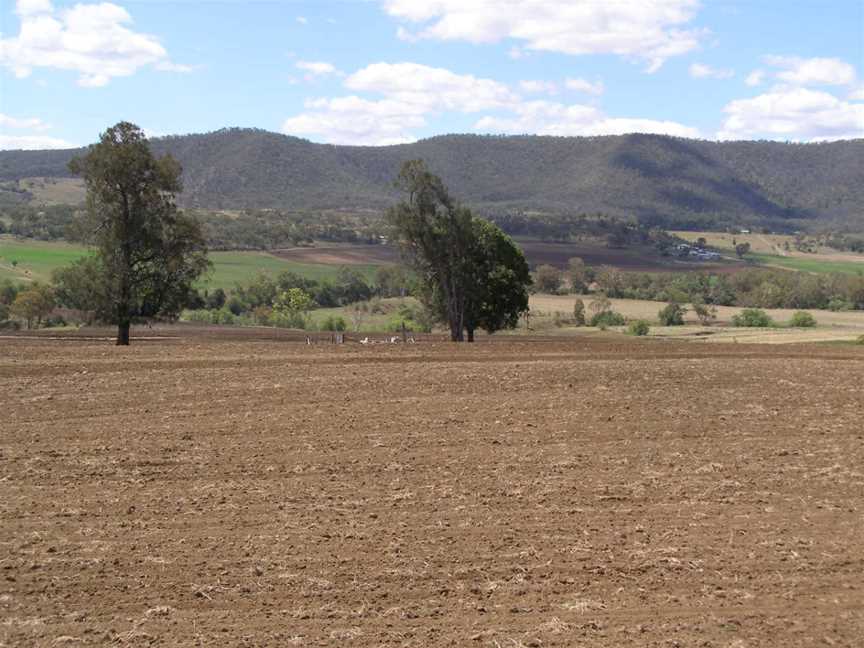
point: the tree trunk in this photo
(123, 333)
(471, 334)
(456, 333)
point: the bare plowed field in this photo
(198, 491)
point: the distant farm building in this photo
(697, 253)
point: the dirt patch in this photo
(229, 491)
(341, 255)
(536, 252)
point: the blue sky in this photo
(389, 71)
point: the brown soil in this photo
(230, 489)
(341, 254)
(536, 252)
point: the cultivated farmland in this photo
(233, 487)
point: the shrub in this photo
(548, 279)
(333, 323)
(753, 317)
(608, 318)
(802, 319)
(638, 328)
(860, 340)
(579, 312)
(672, 315)
(837, 304)
(262, 314)
(706, 313)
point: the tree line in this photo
(753, 287)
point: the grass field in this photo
(840, 326)
(815, 263)
(770, 250)
(230, 268)
(29, 260)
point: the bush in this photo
(638, 328)
(548, 279)
(608, 318)
(836, 304)
(333, 323)
(672, 315)
(579, 312)
(802, 319)
(860, 340)
(753, 317)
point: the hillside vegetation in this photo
(664, 181)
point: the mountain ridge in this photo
(662, 180)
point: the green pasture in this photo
(817, 266)
(29, 260)
(230, 268)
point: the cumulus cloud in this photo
(552, 118)
(93, 40)
(539, 87)
(30, 123)
(354, 120)
(755, 78)
(702, 71)
(581, 85)
(410, 92)
(650, 31)
(812, 71)
(31, 142)
(431, 88)
(318, 68)
(793, 113)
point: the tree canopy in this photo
(472, 274)
(147, 253)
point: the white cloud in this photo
(702, 71)
(581, 85)
(353, 120)
(539, 87)
(857, 94)
(28, 141)
(789, 113)
(410, 92)
(32, 123)
(431, 88)
(650, 31)
(755, 78)
(316, 68)
(812, 71)
(551, 118)
(32, 142)
(33, 7)
(168, 66)
(303, 20)
(90, 39)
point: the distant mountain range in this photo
(662, 180)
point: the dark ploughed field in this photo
(209, 489)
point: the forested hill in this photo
(663, 180)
